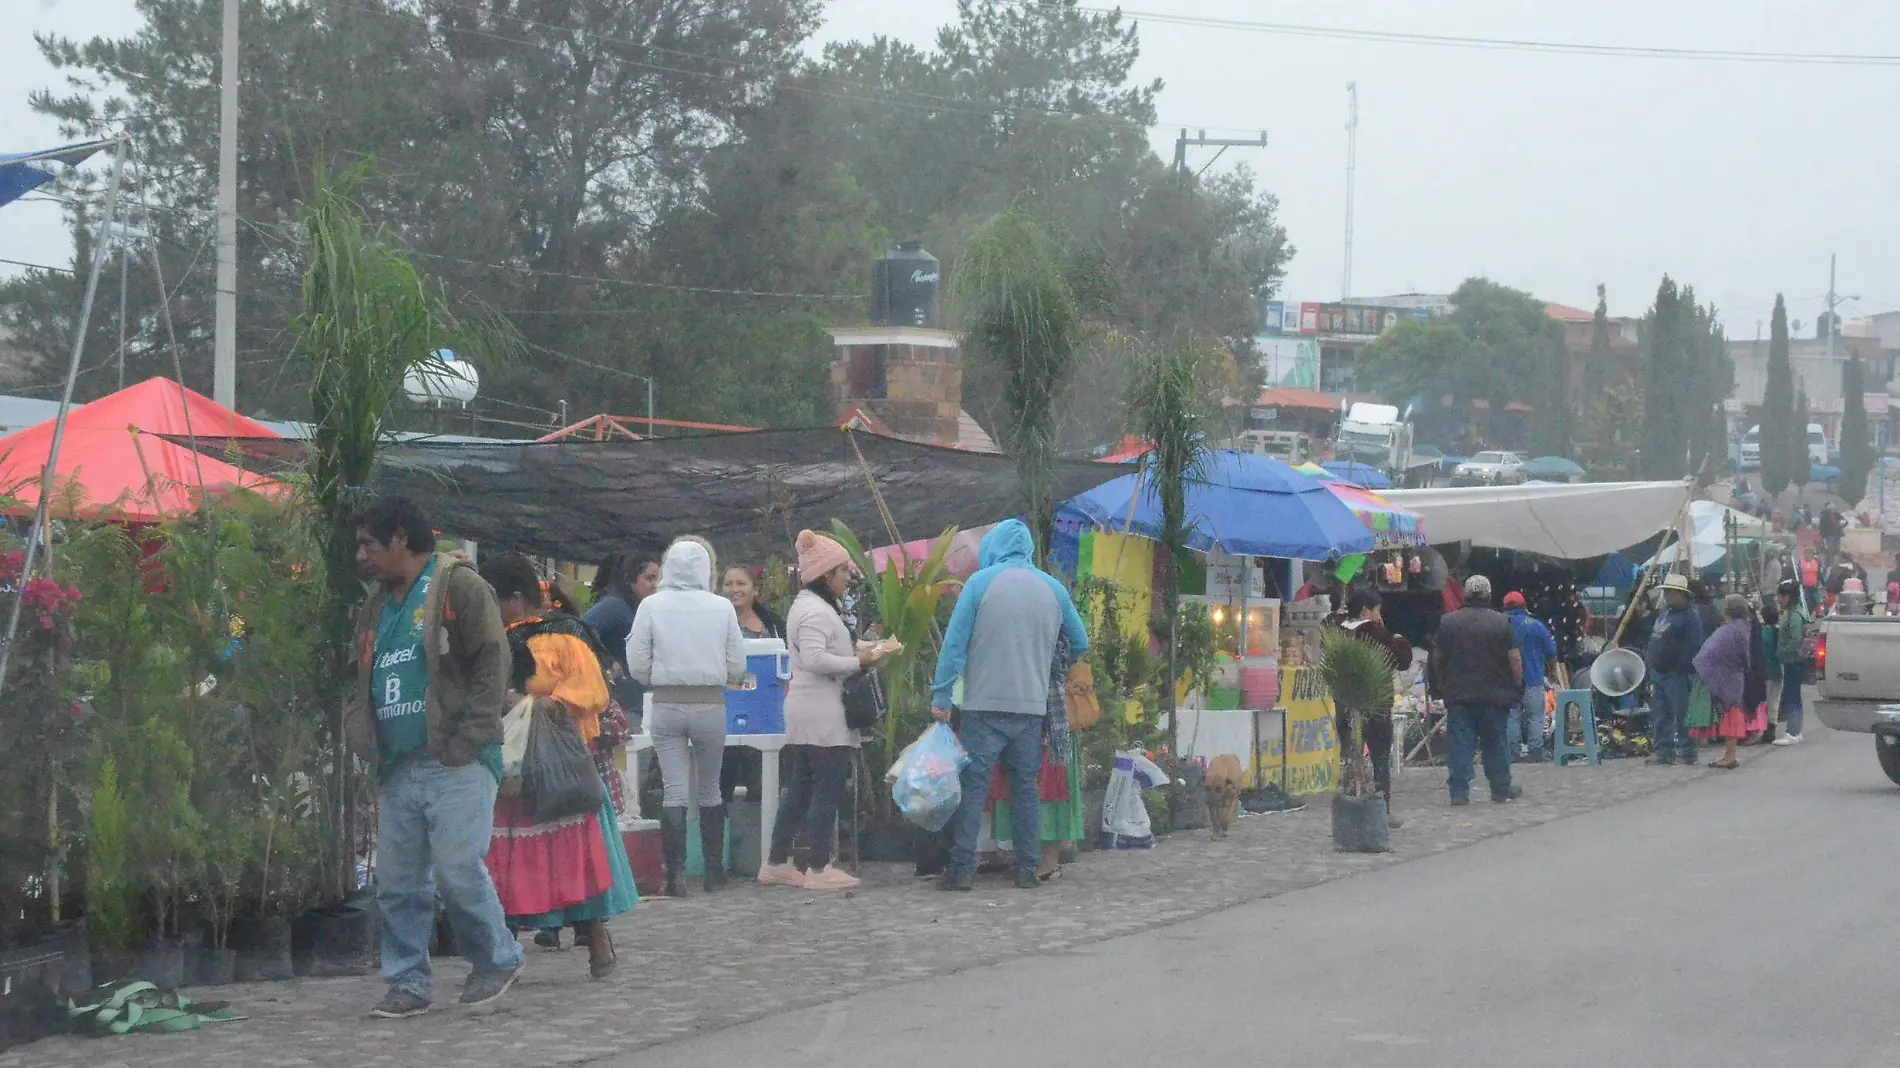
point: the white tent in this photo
(1710, 540)
(1569, 522)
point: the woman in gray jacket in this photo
(817, 741)
(686, 648)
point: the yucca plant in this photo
(905, 597)
(1358, 675)
(1017, 311)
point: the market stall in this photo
(1566, 522)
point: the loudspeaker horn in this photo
(1617, 672)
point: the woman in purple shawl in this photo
(1730, 666)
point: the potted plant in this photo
(1359, 677)
(111, 899)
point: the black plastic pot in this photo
(29, 991)
(1092, 803)
(162, 963)
(215, 967)
(110, 966)
(1359, 825)
(336, 940)
(263, 949)
(1187, 798)
(890, 839)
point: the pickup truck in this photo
(1857, 681)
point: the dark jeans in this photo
(818, 775)
(1378, 739)
(1793, 712)
(1016, 741)
(1471, 729)
(1669, 718)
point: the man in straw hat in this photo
(1673, 644)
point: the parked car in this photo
(1857, 681)
(1491, 468)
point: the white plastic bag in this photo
(929, 786)
(1124, 814)
(514, 737)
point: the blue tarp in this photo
(1359, 474)
(1242, 505)
(23, 172)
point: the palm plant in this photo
(1018, 312)
(1169, 408)
(905, 596)
(1359, 677)
(368, 317)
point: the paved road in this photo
(1745, 919)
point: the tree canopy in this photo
(1779, 428)
(644, 187)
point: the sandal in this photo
(1050, 876)
(601, 958)
(1724, 766)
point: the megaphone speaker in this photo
(1617, 672)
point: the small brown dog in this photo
(1224, 781)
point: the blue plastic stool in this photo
(1561, 748)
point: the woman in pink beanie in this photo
(818, 743)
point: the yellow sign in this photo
(1311, 741)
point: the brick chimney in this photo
(909, 378)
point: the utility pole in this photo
(1352, 173)
(224, 346)
(1181, 146)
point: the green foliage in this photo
(111, 895)
(1358, 675)
(1018, 314)
(1800, 461)
(904, 601)
(1779, 429)
(1857, 443)
(1686, 377)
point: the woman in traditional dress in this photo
(1058, 783)
(573, 871)
(1729, 665)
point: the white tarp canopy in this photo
(1710, 538)
(1569, 522)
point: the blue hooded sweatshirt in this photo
(1002, 636)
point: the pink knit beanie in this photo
(818, 556)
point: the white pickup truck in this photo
(1857, 681)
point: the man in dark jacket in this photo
(433, 663)
(1477, 671)
(1673, 643)
(1365, 621)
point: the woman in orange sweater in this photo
(571, 871)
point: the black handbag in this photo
(558, 777)
(863, 700)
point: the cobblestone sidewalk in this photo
(705, 963)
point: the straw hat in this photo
(1678, 583)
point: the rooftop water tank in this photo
(906, 288)
(442, 380)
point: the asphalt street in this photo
(1748, 918)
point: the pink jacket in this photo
(823, 656)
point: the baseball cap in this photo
(1514, 599)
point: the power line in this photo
(37, 266)
(1725, 55)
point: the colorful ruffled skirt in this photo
(1733, 723)
(562, 872)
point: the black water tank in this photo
(906, 288)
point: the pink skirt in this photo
(1734, 724)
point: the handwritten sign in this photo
(1311, 748)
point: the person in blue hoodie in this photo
(1000, 642)
(1537, 648)
(1673, 644)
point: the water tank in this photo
(906, 288)
(441, 380)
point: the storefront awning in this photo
(1571, 522)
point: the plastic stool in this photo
(1561, 748)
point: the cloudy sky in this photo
(1549, 172)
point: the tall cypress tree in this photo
(1777, 408)
(1857, 444)
(1799, 461)
(1666, 386)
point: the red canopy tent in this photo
(114, 465)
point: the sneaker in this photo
(399, 1004)
(830, 878)
(484, 987)
(1787, 739)
(1456, 801)
(781, 875)
(956, 880)
(1511, 793)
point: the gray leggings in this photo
(673, 728)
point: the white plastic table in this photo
(768, 746)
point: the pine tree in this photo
(1666, 386)
(1799, 461)
(1857, 446)
(1777, 408)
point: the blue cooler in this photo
(757, 706)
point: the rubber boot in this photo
(673, 850)
(712, 845)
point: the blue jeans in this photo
(1016, 740)
(1527, 721)
(1469, 730)
(1668, 718)
(1793, 674)
(432, 831)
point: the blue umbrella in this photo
(1359, 474)
(1241, 504)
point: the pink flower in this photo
(76, 710)
(46, 622)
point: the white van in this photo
(1817, 444)
(1750, 457)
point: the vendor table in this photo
(767, 744)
